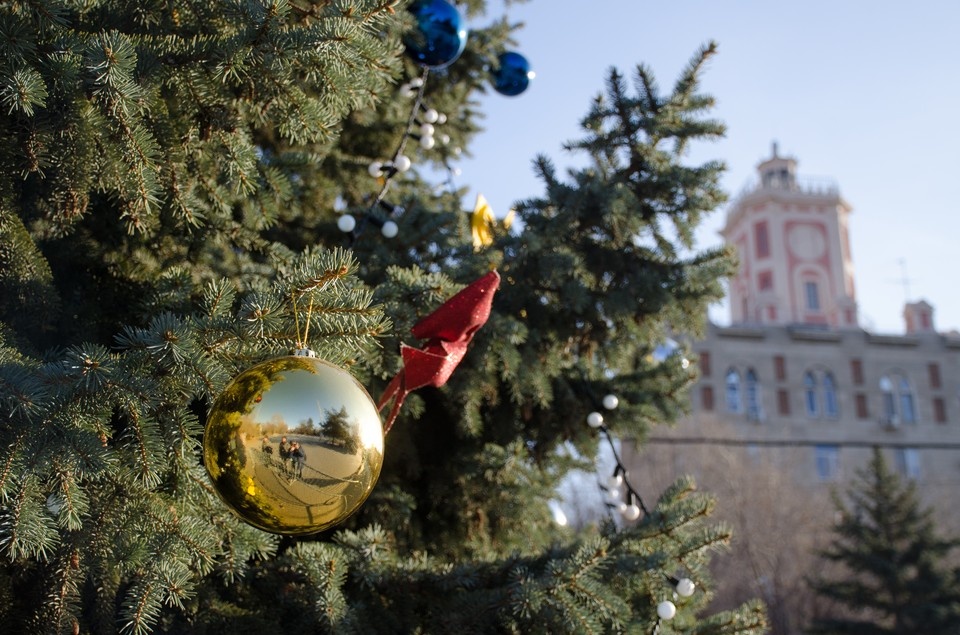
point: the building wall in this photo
(826, 444)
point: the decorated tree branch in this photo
(196, 311)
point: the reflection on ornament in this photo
(438, 39)
(293, 445)
(513, 74)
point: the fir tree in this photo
(168, 179)
(894, 576)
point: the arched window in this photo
(830, 409)
(820, 394)
(897, 395)
(907, 413)
(753, 395)
(810, 395)
(733, 390)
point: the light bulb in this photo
(427, 142)
(402, 163)
(441, 119)
(613, 494)
(685, 587)
(416, 82)
(430, 115)
(444, 139)
(615, 481)
(347, 223)
(407, 91)
(389, 229)
(666, 610)
(375, 169)
(427, 129)
(632, 512)
(594, 419)
(610, 402)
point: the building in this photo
(795, 374)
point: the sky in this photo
(866, 93)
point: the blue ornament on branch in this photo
(439, 38)
(513, 74)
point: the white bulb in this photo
(406, 91)
(416, 82)
(615, 481)
(456, 151)
(622, 507)
(632, 512)
(430, 115)
(685, 587)
(441, 119)
(666, 610)
(684, 363)
(375, 169)
(613, 494)
(456, 171)
(346, 223)
(427, 142)
(402, 163)
(389, 229)
(594, 419)
(427, 129)
(610, 402)
(444, 139)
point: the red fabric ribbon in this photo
(448, 332)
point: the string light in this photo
(666, 610)
(631, 507)
(421, 126)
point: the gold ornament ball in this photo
(294, 445)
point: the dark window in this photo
(779, 367)
(862, 411)
(762, 238)
(813, 295)
(856, 369)
(939, 410)
(705, 364)
(753, 396)
(934, 369)
(706, 398)
(765, 280)
(783, 402)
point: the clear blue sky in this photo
(866, 93)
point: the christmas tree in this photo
(893, 575)
(189, 189)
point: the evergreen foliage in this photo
(895, 573)
(168, 179)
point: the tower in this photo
(793, 242)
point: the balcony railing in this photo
(806, 185)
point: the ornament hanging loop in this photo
(302, 342)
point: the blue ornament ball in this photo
(513, 74)
(439, 38)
